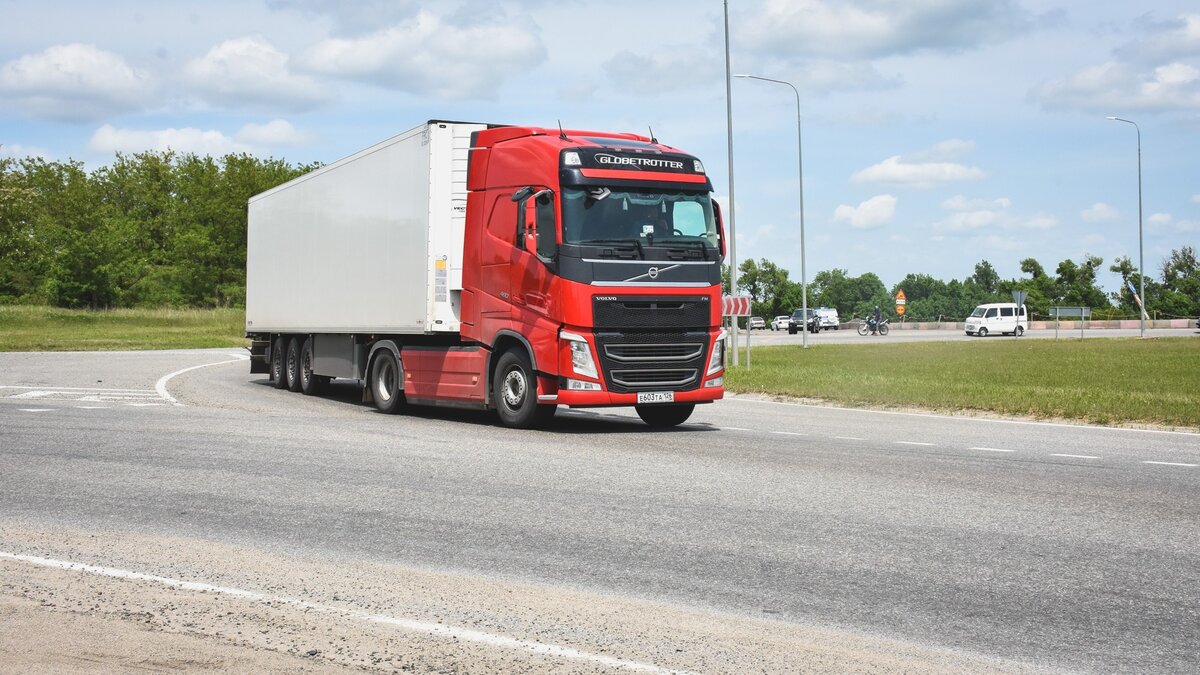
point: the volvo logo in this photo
(653, 272)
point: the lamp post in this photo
(800, 166)
(730, 231)
(1141, 259)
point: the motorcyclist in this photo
(875, 322)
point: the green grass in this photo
(25, 328)
(1106, 381)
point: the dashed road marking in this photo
(914, 443)
(849, 438)
(35, 409)
(993, 449)
(789, 433)
(1059, 454)
(1170, 463)
(735, 429)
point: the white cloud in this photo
(867, 29)
(426, 55)
(73, 82)
(108, 139)
(1099, 213)
(272, 134)
(251, 71)
(1167, 41)
(944, 151)
(873, 213)
(961, 203)
(1040, 221)
(1159, 219)
(18, 151)
(1187, 226)
(897, 171)
(1196, 199)
(665, 71)
(1117, 86)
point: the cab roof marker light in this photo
(699, 166)
(571, 158)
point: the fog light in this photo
(716, 382)
(580, 385)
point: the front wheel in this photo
(862, 328)
(982, 332)
(514, 390)
(665, 416)
(883, 329)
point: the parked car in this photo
(829, 318)
(812, 325)
(780, 322)
(756, 322)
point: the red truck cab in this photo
(599, 256)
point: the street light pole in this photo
(800, 166)
(1141, 258)
(729, 231)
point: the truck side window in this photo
(547, 246)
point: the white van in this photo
(997, 317)
(829, 318)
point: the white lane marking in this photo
(142, 405)
(161, 385)
(34, 394)
(1059, 454)
(993, 449)
(737, 399)
(850, 438)
(35, 409)
(913, 443)
(735, 429)
(93, 407)
(789, 433)
(1170, 463)
(128, 391)
(412, 625)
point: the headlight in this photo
(581, 355)
(717, 361)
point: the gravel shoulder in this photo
(324, 616)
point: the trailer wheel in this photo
(310, 384)
(385, 383)
(514, 389)
(664, 416)
(293, 364)
(279, 362)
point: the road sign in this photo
(901, 301)
(735, 306)
(900, 309)
(1019, 297)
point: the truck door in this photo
(531, 257)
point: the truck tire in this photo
(279, 362)
(292, 365)
(664, 416)
(385, 383)
(310, 384)
(514, 391)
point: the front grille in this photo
(654, 352)
(650, 313)
(654, 378)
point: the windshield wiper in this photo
(702, 245)
(637, 243)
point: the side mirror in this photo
(720, 226)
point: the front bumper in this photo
(586, 399)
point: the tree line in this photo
(162, 229)
(1175, 292)
(152, 229)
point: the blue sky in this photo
(936, 132)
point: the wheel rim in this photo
(514, 388)
(385, 380)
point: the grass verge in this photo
(1104, 381)
(25, 328)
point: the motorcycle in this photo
(868, 326)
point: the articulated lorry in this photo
(496, 267)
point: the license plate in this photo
(656, 397)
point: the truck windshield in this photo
(604, 215)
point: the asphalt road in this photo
(1059, 547)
